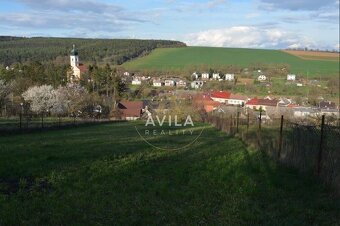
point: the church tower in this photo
(74, 58)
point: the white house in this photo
(205, 76)
(220, 96)
(194, 76)
(262, 78)
(291, 77)
(126, 73)
(216, 76)
(169, 82)
(196, 84)
(181, 83)
(237, 100)
(136, 81)
(157, 83)
(299, 84)
(229, 77)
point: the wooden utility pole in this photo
(280, 141)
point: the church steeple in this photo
(74, 58)
(74, 51)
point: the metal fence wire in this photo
(306, 147)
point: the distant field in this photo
(311, 55)
(180, 58)
(105, 175)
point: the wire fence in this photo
(308, 148)
(38, 122)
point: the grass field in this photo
(179, 58)
(105, 175)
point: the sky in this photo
(270, 24)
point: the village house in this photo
(216, 76)
(157, 83)
(169, 82)
(261, 78)
(131, 110)
(284, 102)
(204, 101)
(136, 81)
(197, 84)
(327, 105)
(263, 104)
(220, 96)
(238, 100)
(195, 76)
(205, 76)
(229, 77)
(291, 77)
(77, 68)
(181, 83)
(126, 73)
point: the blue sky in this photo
(223, 23)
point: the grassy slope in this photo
(178, 58)
(105, 175)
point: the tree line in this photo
(92, 51)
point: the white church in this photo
(77, 68)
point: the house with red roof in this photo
(263, 104)
(220, 96)
(131, 110)
(204, 101)
(238, 100)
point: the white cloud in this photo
(247, 37)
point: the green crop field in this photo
(179, 58)
(105, 175)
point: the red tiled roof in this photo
(264, 102)
(237, 97)
(221, 94)
(131, 108)
(205, 101)
(83, 68)
(253, 101)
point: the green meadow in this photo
(106, 175)
(188, 57)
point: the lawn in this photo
(105, 175)
(180, 58)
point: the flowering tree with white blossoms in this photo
(41, 98)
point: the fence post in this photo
(260, 119)
(321, 143)
(230, 124)
(280, 141)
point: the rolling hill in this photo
(180, 58)
(101, 51)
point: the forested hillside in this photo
(113, 51)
